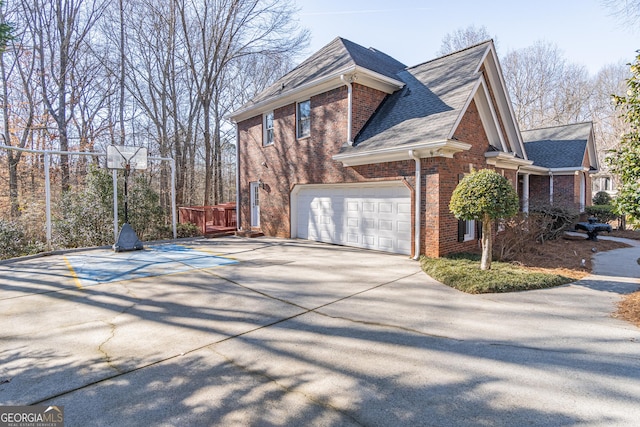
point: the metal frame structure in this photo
(47, 181)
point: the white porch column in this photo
(525, 193)
(583, 191)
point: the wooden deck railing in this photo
(210, 219)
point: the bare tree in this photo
(627, 10)
(17, 68)
(610, 80)
(545, 90)
(163, 74)
(463, 38)
(61, 28)
(223, 31)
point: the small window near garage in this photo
(303, 122)
(268, 128)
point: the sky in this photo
(412, 31)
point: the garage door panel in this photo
(369, 241)
(385, 225)
(368, 217)
(386, 244)
(368, 206)
(368, 223)
(404, 208)
(385, 207)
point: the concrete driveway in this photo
(263, 331)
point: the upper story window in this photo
(268, 128)
(303, 122)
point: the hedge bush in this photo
(601, 198)
(604, 213)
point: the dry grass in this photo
(629, 309)
(563, 256)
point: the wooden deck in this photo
(216, 220)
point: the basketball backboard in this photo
(119, 155)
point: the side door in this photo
(255, 204)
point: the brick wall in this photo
(289, 162)
(365, 102)
(539, 187)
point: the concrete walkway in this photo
(623, 265)
(298, 333)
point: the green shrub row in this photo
(84, 217)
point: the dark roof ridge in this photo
(451, 53)
(560, 126)
(372, 59)
(310, 57)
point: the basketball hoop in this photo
(121, 156)
(127, 158)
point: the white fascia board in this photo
(591, 149)
(318, 86)
(504, 160)
(504, 98)
(299, 93)
(377, 80)
(567, 171)
(464, 108)
(445, 148)
(534, 170)
(485, 104)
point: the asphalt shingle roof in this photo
(426, 109)
(338, 55)
(559, 146)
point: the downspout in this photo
(347, 81)
(238, 227)
(418, 223)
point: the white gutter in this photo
(347, 81)
(238, 178)
(568, 171)
(418, 223)
(445, 148)
(314, 87)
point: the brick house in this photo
(354, 148)
(569, 156)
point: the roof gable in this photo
(338, 57)
(561, 147)
(428, 107)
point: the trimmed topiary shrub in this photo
(601, 198)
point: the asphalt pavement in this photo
(253, 332)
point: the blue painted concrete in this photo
(107, 266)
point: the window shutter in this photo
(479, 230)
(461, 223)
(461, 229)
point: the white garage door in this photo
(365, 216)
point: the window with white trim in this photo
(268, 128)
(469, 230)
(303, 119)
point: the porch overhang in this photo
(504, 160)
(446, 148)
(568, 171)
